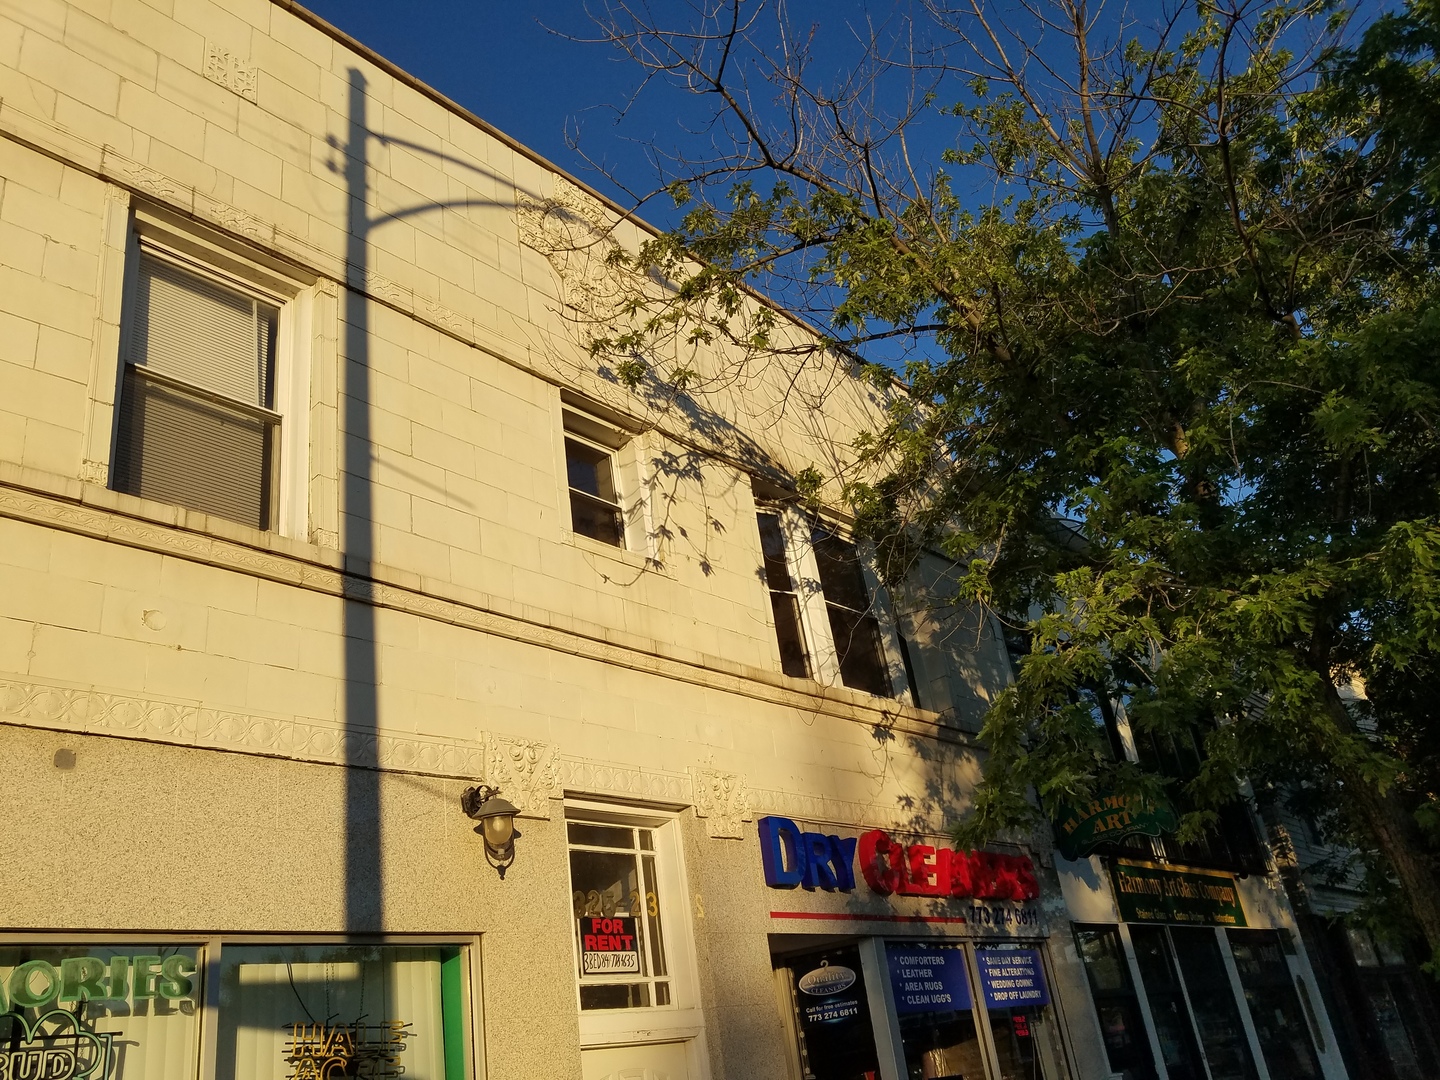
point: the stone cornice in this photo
(318, 569)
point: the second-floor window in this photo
(196, 423)
(848, 606)
(826, 612)
(590, 471)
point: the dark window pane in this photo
(183, 448)
(593, 503)
(1217, 1015)
(840, 576)
(1274, 1005)
(909, 662)
(615, 996)
(857, 644)
(611, 836)
(772, 547)
(604, 884)
(1173, 1029)
(1104, 960)
(787, 632)
(1126, 1044)
(595, 519)
(588, 470)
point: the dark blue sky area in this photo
(500, 61)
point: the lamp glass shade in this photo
(499, 829)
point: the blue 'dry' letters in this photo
(811, 860)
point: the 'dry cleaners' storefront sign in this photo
(815, 860)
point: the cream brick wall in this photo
(159, 636)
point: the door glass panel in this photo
(1167, 1004)
(1274, 1006)
(619, 939)
(1217, 1015)
(1022, 1026)
(937, 1022)
(1126, 1044)
(832, 1015)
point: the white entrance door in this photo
(643, 1061)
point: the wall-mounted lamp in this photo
(497, 823)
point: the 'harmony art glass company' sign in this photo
(1145, 892)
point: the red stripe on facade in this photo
(851, 917)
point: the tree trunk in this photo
(1395, 832)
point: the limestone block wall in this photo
(404, 223)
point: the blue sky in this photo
(503, 62)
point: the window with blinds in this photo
(196, 423)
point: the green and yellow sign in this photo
(1106, 818)
(1146, 892)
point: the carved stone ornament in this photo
(723, 800)
(573, 230)
(229, 71)
(526, 771)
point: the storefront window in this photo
(832, 1014)
(933, 1001)
(1116, 1003)
(1167, 1004)
(1212, 1001)
(100, 1012)
(1017, 1003)
(341, 1010)
(1274, 1005)
(619, 940)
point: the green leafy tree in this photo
(1166, 312)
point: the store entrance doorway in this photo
(937, 1009)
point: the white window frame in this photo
(626, 449)
(795, 526)
(682, 1020)
(249, 273)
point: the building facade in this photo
(315, 514)
(319, 525)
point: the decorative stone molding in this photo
(642, 785)
(235, 220)
(723, 800)
(146, 179)
(57, 706)
(226, 69)
(573, 230)
(525, 771)
(94, 472)
(529, 772)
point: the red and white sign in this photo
(609, 945)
